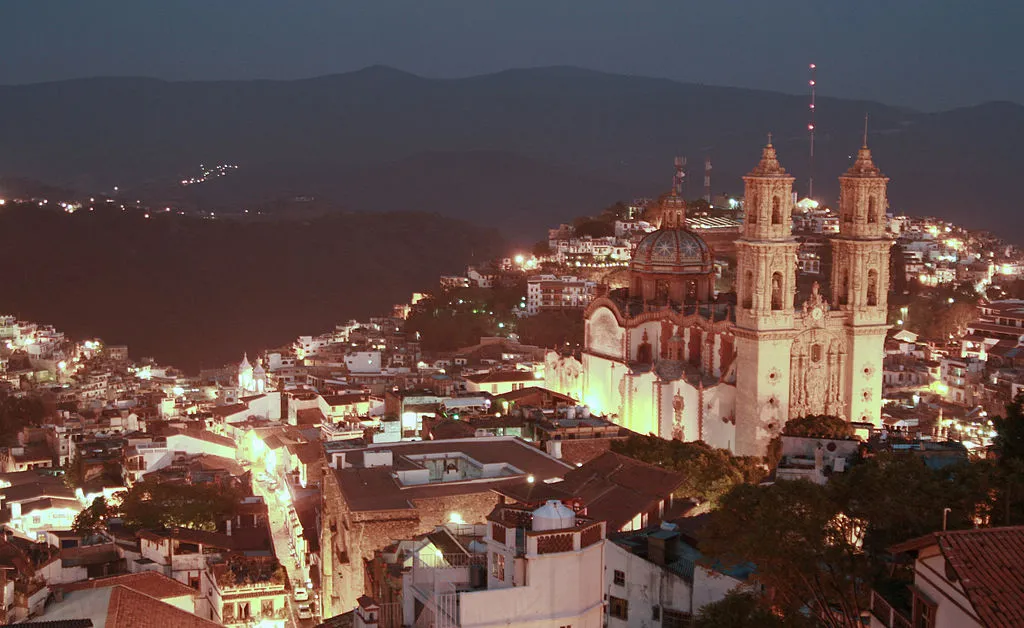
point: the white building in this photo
(548, 292)
(543, 570)
(664, 357)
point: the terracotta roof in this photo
(306, 452)
(528, 391)
(989, 564)
(612, 488)
(310, 416)
(131, 609)
(346, 399)
(151, 583)
(235, 408)
(209, 437)
(501, 376)
(119, 606)
(36, 490)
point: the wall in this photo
(646, 585)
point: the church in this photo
(664, 357)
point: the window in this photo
(656, 612)
(619, 578)
(924, 611)
(498, 567)
(752, 212)
(748, 290)
(844, 288)
(872, 210)
(675, 619)
(816, 353)
(872, 287)
(267, 607)
(776, 211)
(244, 611)
(618, 608)
(776, 291)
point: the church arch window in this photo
(816, 351)
(748, 290)
(752, 210)
(872, 287)
(872, 210)
(777, 291)
(776, 211)
(661, 290)
(691, 291)
(844, 287)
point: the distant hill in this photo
(196, 293)
(520, 149)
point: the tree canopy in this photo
(154, 505)
(709, 473)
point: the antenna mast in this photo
(680, 176)
(707, 179)
(810, 128)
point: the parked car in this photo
(305, 612)
(301, 595)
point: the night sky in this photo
(929, 54)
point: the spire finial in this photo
(769, 138)
(865, 130)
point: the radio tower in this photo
(810, 128)
(707, 180)
(680, 176)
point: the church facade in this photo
(664, 357)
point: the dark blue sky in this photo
(931, 54)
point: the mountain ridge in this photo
(572, 125)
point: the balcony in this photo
(884, 612)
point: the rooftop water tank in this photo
(554, 515)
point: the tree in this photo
(156, 505)
(804, 550)
(92, 518)
(737, 609)
(709, 473)
(595, 229)
(541, 248)
(1009, 440)
(818, 426)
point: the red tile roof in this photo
(151, 583)
(310, 416)
(235, 408)
(502, 376)
(129, 608)
(989, 564)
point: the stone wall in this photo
(350, 538)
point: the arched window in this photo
(751, 210)
(872, 287)
(691, 291)
(816, 353)
(872, 210)
(748, 290)
(776, 291)
(776, 211)
(661, 291)
(844, 287)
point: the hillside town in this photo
(547, 439)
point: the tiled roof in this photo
(989, 564)
(501, 376)
(346, 399)
(209, 437)
(36, 490)
(128, 608)
(310, 416)
(149, 582)
(235, 408)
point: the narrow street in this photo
(298, 574)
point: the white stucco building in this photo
(665, 357)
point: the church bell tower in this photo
(766, 288)
(860, 282)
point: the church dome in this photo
(672, 251)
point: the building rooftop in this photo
(380, 488)
(989, 565)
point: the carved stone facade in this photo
(694, 374)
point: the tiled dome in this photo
(672, 251)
